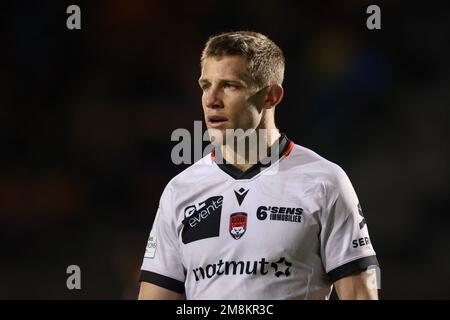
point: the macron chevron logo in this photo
(240, 195)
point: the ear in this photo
(274, 94)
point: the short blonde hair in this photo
(265, 59)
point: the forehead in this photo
(227, 67)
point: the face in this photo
(229, 100)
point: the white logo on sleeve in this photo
(151, 246)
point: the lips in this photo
(216, 120)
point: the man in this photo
(287, 227)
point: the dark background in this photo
(86, 118)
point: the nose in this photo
(212, 98)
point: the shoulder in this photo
(315, 167)
(326, 176)
(200, 171)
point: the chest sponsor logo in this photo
(288, 214)
(278, 269)
(238, 225)
(202, 220)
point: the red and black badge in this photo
(238, 225)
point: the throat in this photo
(246, 153)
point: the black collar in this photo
(285, 146)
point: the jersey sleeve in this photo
(162, 263)
(345, 243)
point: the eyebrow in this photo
(238, 81)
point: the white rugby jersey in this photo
(286, 230)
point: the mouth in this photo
(216, 121)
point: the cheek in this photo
(253, 117)
(203, 100)
(247, 115)
(204, 103)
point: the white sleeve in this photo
(345, 243)
(162, 264)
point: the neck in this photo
(247, 151)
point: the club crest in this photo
(238, 225)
